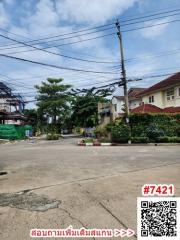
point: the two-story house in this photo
(135, 100)
(110, 110)
(161, 97)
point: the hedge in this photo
(147, 127)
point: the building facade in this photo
(135, 100)
(11, 106)
(164, 94)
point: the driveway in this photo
(57, 184)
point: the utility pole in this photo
(123, 72)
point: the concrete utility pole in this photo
(123, 72)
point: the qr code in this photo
(158, 218)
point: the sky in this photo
(148, 51)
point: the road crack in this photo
(74, 218)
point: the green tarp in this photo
(13, 132)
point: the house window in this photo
(151, 99)
(115, 107)
(170, 94)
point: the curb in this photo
(95, 145)
(127, 144)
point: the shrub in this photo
(78, 130)
(140, 139)
(174, 139)
(88, 140)
(105, 140)
(101, 131)
(120, 133)
(164, 139)
(52, 136)
(138, 130)
(109, 127)
(153, 132)
(165, 124)
(168, 139)
(178, 131)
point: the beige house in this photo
(164, 94)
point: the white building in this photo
(134, 101)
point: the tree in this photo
(85, 106)
(31, 116)
(53, 99)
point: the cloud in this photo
(45, 18)
(92, 12)
(53, 17)
(155, 31)
(4, 17)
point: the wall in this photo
(176, 101)
(120, 104)
(160, 99)
(177, 96)
(134, 103)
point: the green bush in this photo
(120, 133)
(88, 140)
(109, 127)
(168, 139)
(138, 130)
(178, 131)
(154, 131)
(147, 127)
(139, 139)
(155, 125)
(101, 132)
(164, 139)
(78, 130)
(52, 136)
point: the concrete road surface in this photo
(57, 184)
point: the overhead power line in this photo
(79, 41)
(160, 54)
(58, 54)
(129, 30)
(93, 28)
(151, 76)
(153, 25)
(53, 66)
(59, 39)
(67, 38)
(84, 34)
(150, 15)
(151, 19)
(119, 83)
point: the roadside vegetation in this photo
(60, 108)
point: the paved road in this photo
(94, 187)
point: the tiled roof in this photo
(146, 108)
(170, 81)
(133, 93)
(149, 108)
(172, 110)
(119, 97)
